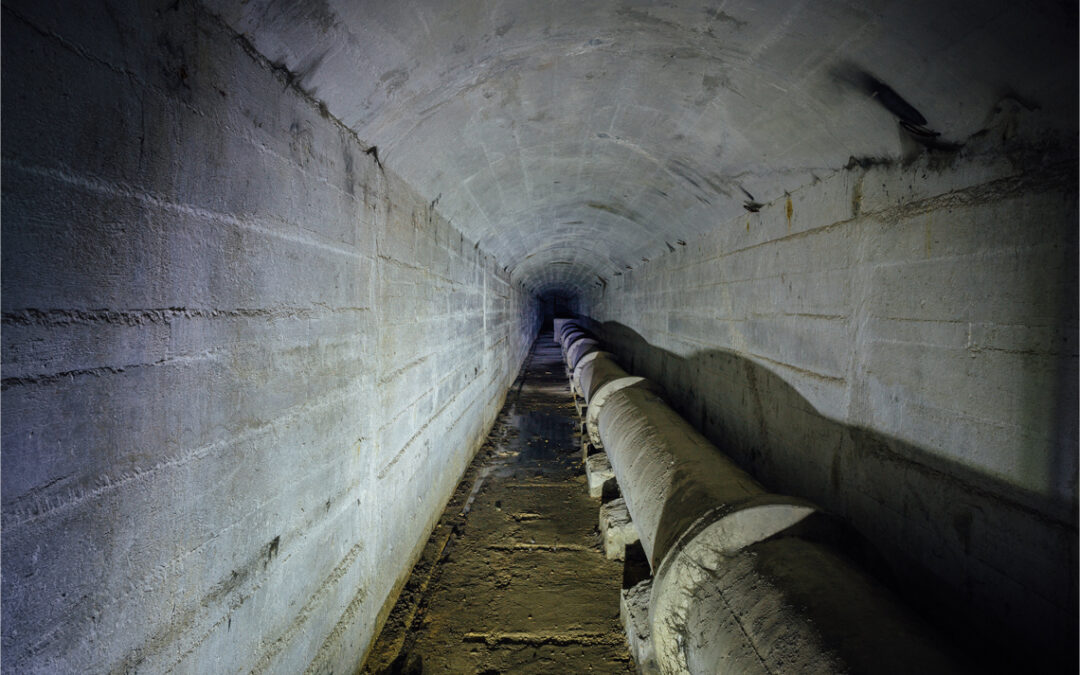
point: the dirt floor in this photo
(514, 579)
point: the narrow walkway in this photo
(514, 580)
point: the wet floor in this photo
(513, 579)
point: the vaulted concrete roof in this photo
(576, 139)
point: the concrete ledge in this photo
(616, 528)
(598, 472)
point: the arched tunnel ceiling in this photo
(574, 139)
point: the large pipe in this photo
(591, 368)
(580, 348)
(558, 325)
(670, 475)
(783, 604)
(739, 586)
(568, 327)
(571, 336)
(597, 376)
(583, 367)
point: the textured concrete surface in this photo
(266, 263)
(514, 579)
(634, 614)
(244, 365)
(785, 605)
(897, 344)
(574, 140)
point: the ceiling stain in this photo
(616, 210)
(724, 17)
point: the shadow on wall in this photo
(975, 555)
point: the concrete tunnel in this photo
(270, 269)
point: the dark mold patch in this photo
(643, 17)
(394, 79)
(866, 162)
(723, 17)
(615, 210)
(173, 61)
(317, 12)
(373, 151)
(885, 95)
(350, 170)
(702, 183)
(271, 550)
(301, 141)
(911, 121)
(750, 204)
(928, 138)
(710, 84)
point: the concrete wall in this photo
(897, 343)
(243, 365)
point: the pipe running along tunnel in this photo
(270, 269)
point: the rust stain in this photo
(856, 198)
(790, 210)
